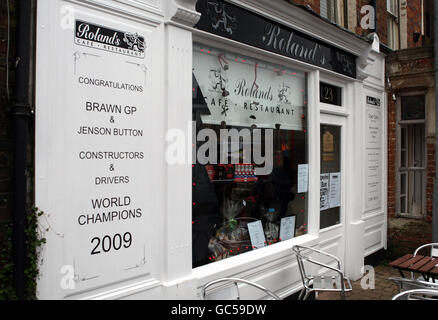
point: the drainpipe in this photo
(20, 113)
(435, 191)
(373, 3)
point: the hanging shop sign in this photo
(244, 92)
(232, 22)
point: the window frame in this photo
(393, 29)
(333, 115)
(326, 108)
(389, 9)
(312, 73)
(332, 11)
(316, 109)
(400, 124)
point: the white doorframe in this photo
(334, 237)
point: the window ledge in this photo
(250, 260)
(328, 229)
(334, 110)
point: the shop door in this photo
(332, 185)
(412, 157)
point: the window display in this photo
(251, 172)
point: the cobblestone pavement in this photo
(384, 288)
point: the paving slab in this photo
(384, 289)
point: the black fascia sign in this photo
(227, 20)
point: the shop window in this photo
(413, 108)
(250, 180)
(333, 10)
(393, 33)
(412, 154)
(392, 7)
(330, 204)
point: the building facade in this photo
(187, 141)
(145, 193)
(405, 29)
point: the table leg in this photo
(401, 273)
(425, 277)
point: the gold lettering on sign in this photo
(328, 94)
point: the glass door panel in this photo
(330, 200)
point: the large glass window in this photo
(250, 180)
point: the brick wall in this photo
(381, 14)
(6, 157)
(382, 23)
(411, 17)
(404, 236)
(314, 4)
(410, 71)
(392, 156)
(430, 176)
(414, 23)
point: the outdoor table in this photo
(426, 266)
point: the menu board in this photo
(335, 190)
(373, 165)
(257, 235)
(303, 178)
(287, 228)
(96, 133)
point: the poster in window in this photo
(335, 190)
(324, 190)
(328, 142)
(287, 228)
(244, 92)
(256, 234)
(303, 178)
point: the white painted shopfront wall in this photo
(118, 217)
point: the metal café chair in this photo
(337, 282)
(433, 249)
(418, 294)
(405, 284)
(236, 282)
(432, 253)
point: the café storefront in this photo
(178, 142)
